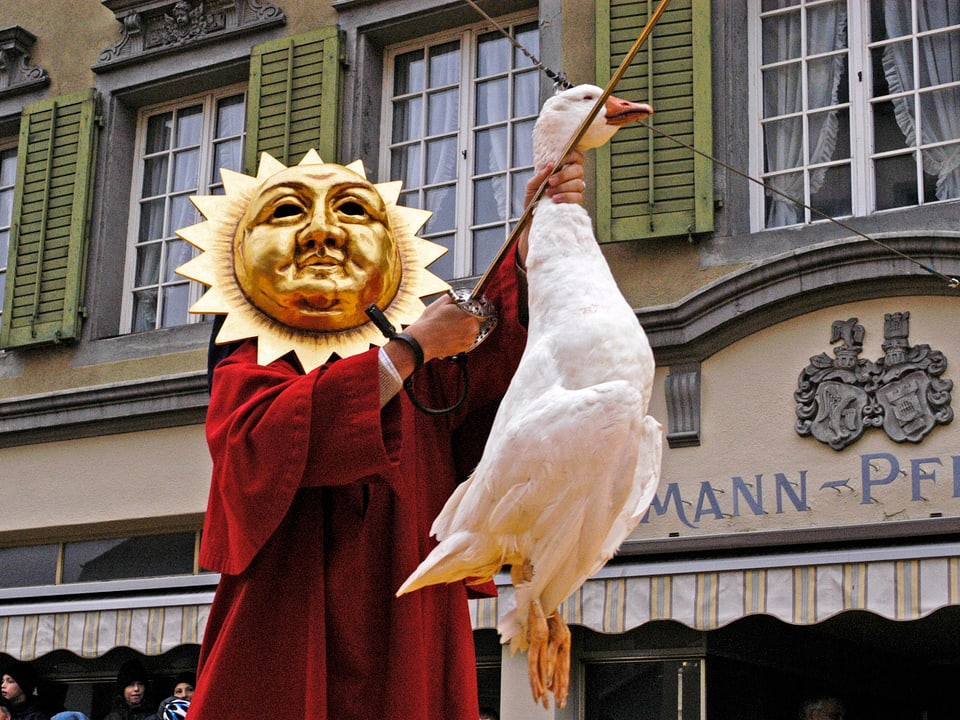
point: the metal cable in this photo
(953, 282)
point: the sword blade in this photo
(574, 141)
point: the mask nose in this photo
(324, 235)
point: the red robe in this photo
(320, 507)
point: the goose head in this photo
(562, 115)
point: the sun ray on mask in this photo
(214, 267)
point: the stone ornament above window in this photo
(153, 27)
(17, 75)
(902, 392)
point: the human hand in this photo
(443, 330)
(566, 185)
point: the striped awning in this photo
(150, 626)
(899, 584)
(623, 597)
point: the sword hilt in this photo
(479, 307)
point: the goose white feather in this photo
(573, 460)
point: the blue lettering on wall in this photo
(876, 463)
(741, 489)
(673, 493)
(917, 474)
(718, 501)
(785, 487)
(708, 503)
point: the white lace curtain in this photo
(497, 146)
(783, 96)
(939, 56)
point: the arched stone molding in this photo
(765, 293)
(795, 283)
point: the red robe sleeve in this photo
(261, 424)
(266, 423)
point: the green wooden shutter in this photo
(651, 186)
(50, 215)
(294, 98)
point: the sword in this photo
(476, 295)
(474, 302)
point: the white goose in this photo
(573, 460)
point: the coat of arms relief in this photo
(903, 392)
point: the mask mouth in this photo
(319, 262)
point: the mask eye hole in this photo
(287, 210)
(352, 208)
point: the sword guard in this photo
(479, 307)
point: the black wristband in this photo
(414, 345)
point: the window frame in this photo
(863, 153)
(664, 660)
(468, 36)
(758, 120)
(7, 144)
(207, 185)
(61, 586)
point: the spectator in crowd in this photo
(183, 685)
(67, 715)
(17, 686)
(176, 709)
(130, 697)
(826, 707)
(4, 709)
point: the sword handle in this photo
(479, 307)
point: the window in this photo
(92, 560)
(8, 177)
(624, 689)
(915, 66)
(180, 150)
(856, 105)
(459, 112)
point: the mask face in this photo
(315, 249)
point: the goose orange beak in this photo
(621, 112)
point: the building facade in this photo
(786, 228)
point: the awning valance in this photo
(621, 598)
(89, 630)
(899, 584)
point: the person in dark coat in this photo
(17, 686)
(130, 696)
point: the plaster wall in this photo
(748, 414)
(72, 34)
(153, 477)
(70, 37)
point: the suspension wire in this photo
(952, 282)
(559, 79)
(574, 141)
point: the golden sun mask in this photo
(295, 255)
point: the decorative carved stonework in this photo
(16, 73)
(902, 392)
(682, 388)
(184, 23)
(152, 27)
